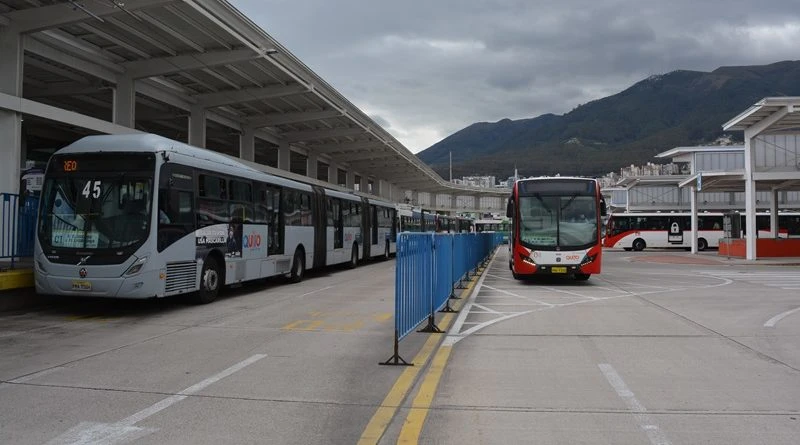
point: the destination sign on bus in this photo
(558, 187)
(70, 165)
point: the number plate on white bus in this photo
(81, 285)
(558, 269)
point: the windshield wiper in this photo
(569, 201)
(544, 205)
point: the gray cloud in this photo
(426, 69)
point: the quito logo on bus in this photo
(252, 241)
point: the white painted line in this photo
(87, 433)
(36, 375)
(314, 291)
(29, 377)
(774, 320)
(646, 423)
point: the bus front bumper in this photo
(142, 285)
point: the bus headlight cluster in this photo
(527, 259)
(588, 259)
(137, 266)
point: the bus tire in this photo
(582, 276)
(298, 266)
(353, 257)
(639, 244)
(702, 244)
(210, 281)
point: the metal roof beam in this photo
(60, 14)
(366, 157)
(48, 52)
(170, 31)
(144, 36)
(169, 65)
(66, 89)
(345, 146)
(298, 136)
(218, 99)
(274, 119)
(115, 40)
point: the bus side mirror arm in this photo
(603, 208)
(510, 208)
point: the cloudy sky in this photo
(424, 69)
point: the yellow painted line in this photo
(412, 428)
(16, 279)
(386, 316)
(386, 411)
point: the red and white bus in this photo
(555, 227)
(637, 231)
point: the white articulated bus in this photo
(139, 216)
(637, 231)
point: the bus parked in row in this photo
(139, 216)
(637, 231)
(555, 227)
(494, 225)
(418, 220)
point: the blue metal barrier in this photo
(428, 268)
(17, 226)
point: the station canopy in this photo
(202, 54)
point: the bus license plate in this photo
(558, 269)
(81, 285)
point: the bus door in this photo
(366, 226)
(675, 230)
(335, 221)
(374, 215)
(319, 220)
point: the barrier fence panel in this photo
(17, 226)
(428, 267)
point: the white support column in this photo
(415, 198)
(333, 173)
(197, 126)
(247, 144)
(284, 156)
(749, 196)
(125, 102)
(477, 200)
(11, 54)
(454, 202)
(693, 202)
(350, 183)
(773, 214)
(364, 186)
(312, 163)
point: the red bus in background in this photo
(555, 227)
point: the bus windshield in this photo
(563, 222)
(95, 208)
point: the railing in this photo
(429, 268)
(17, 226)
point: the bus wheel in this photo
(210, 281)
(582, 276)
(353, 258)
(298, 267)
(702, 244)
(639, 244)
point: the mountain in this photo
(681, 108)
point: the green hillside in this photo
(661, 112)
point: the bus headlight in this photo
(588, 259)
(137, 266)
(527, 259)
(41, 266)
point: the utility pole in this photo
(451, 166)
